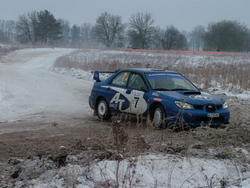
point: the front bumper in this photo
(198, 117)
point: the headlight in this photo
(184, 105)
(225, 105)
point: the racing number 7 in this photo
(136, 101)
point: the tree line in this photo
(42, 28)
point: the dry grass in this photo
(222, 71)
(234, 77)
(5, 50)
(127, 143)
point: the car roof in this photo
(149, 70)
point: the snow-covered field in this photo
(31, 88)
(217, 73)
(146, 171)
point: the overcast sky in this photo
(183, 14)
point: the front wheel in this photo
(102, 109)
(158, 116)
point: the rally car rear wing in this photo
(96, 76)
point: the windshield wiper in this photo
(180, 89)
(161, 89)
(183, 89)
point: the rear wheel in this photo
(102, 109)
(158, 116)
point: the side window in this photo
(136, 82)
(121, 79)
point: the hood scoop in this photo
(192, 93)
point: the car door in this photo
(115, 92)
(126, 93)
(136, 95)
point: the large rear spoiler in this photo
(96, 76)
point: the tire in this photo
(158, 116)
(102, 109)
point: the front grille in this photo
(219, 107)
(210, 108)
(198, 107)
(207, 108)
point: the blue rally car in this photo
(166, 97)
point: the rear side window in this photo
(121, 79)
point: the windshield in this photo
(170, 82)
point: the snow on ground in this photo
(160, 171)
(30, 87)
(172, 171)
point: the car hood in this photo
(195, 98)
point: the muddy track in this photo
(94, 137)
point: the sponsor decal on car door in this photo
(129, 101)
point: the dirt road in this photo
(31, 92)
(36, 103)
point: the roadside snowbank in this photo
(145, 171)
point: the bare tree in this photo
(38, 26)
(65, 39)
(173, 39)
(86, 38)
(25, 29)
(141, 29)
(107, 28)
(75, 36)
(158, 35)
(197, 38)
(7, 30)
(227, 36)
(28, 27)
(34, 26)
